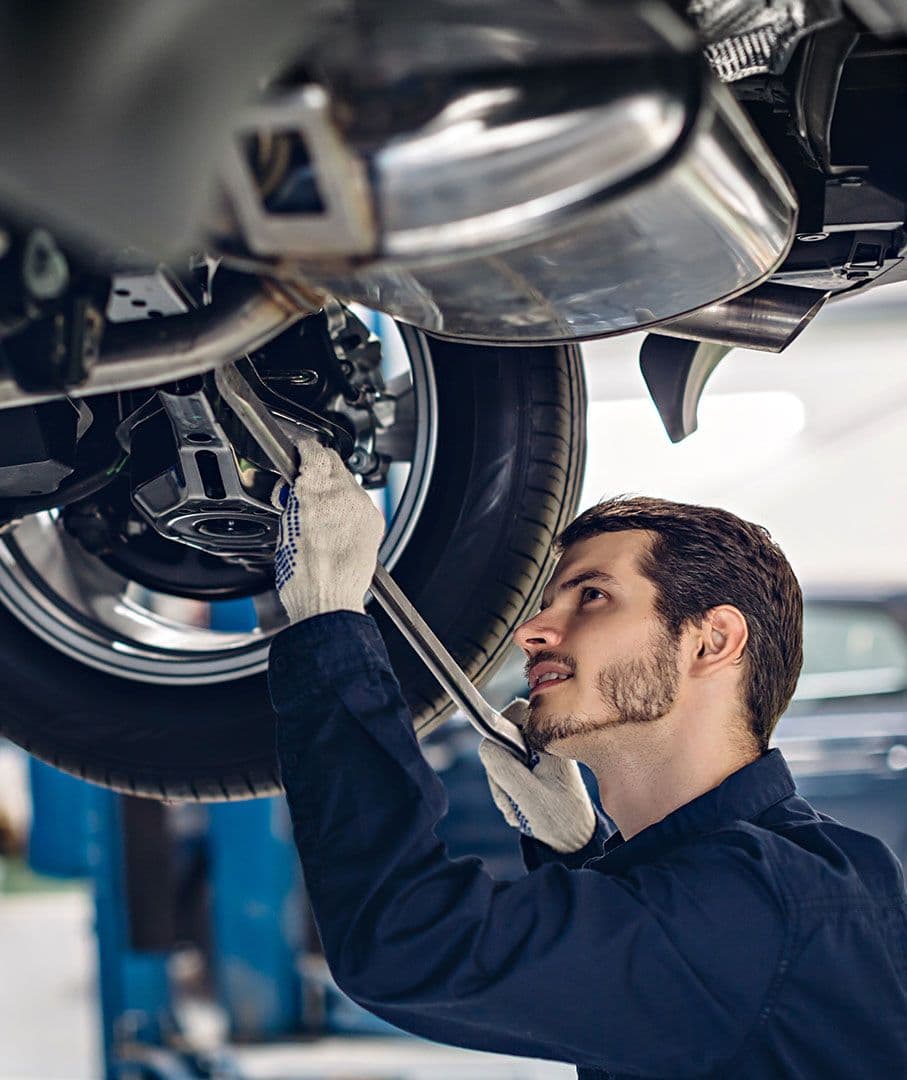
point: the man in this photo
(727, 929)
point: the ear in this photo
(720, 641)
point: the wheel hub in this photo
(212, 492)
(200, 499)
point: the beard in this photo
(636, 691)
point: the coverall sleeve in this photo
(536, 854)
(632, 973)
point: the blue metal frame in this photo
(77, 831)
(136, 1003)
(257, 911)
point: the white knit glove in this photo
(548, 802)
(330, 532)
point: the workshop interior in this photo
(505, 258)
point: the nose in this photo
(542, 631)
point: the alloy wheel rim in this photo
(90, 612)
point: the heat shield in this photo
(562, 188)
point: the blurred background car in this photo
(845, 733)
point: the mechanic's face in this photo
(607, 655)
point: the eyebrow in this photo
(580, 579)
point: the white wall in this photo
(811, 443)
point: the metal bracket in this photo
(146, 296)
(344, 223)
(203, 502)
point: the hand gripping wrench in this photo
(277, 443)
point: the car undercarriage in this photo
(402, 225)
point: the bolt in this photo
(357, 460)
(44, 267)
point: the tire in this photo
(506, 480)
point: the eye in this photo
(590, 593)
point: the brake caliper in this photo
(347, 385)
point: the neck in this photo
(646, 771)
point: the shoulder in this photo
(734, 864)
(816, 856)
(703, 890)
(795, 859)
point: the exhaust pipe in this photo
(676, 362)
(767, 318)
(248, 313)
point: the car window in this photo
(850, 650)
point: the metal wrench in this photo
(280, 447)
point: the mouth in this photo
(547, 682)
(547, 669)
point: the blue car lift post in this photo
(257, 924)
(81, 830)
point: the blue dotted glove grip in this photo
(288, 545)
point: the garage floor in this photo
(49, 1023)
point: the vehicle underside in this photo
(400, 226)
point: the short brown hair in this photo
(702, 557)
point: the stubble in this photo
(637, 691)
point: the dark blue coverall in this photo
(743, 936)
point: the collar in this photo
(742, 796)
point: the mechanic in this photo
(726, 930)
